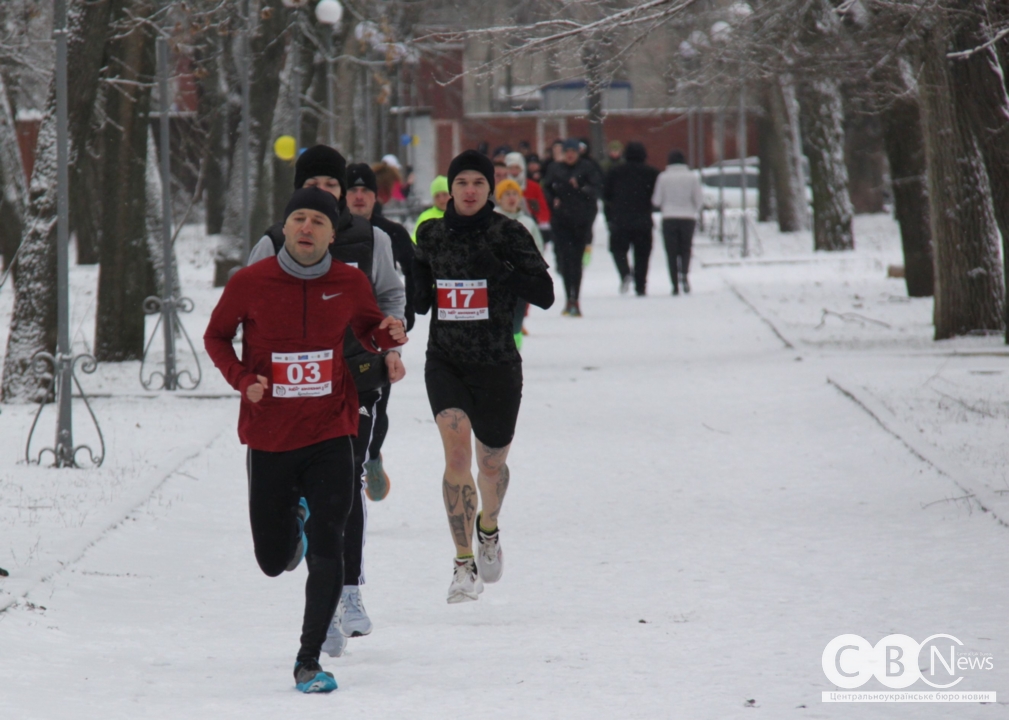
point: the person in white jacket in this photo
(680, 197)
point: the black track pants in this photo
(621, 241)
(569, 242)
(357, 522)
(323, 474)
(678, 235)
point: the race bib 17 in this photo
(299, 375)
(462, 300)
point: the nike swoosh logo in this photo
(330, 297)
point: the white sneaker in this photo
(336, 641)
(489, 558)
(466, 583)
(354, 620)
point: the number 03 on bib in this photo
(462, 300)
(298, 375)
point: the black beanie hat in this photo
(361, 175)
(471, 160)
(312, 198)
(320, 160)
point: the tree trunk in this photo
(592, 59)
(213, 114)
(284, 119)
(33, 322)
(765, 181)
(823, 135)
(864, 156)
(785, 155)
(86, 192)
(267, 49)
(980, 95)
(969, 293)
(153, 219)
(13, 187)
(123, 277)
(905, 150)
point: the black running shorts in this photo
(489, 394)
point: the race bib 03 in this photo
(299, 375)
(462, 300)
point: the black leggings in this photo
(357, 523)
(569, 243)
(678, 235)
(323, 474)
(381, 428)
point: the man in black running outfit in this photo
(471, 268)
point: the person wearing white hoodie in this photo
(680, 197)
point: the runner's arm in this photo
(366, 321)
(537, 289)
(224, 322)
(423, 298)
(529, 281)
(389, 291)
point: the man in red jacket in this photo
(299, 407)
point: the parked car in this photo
(710, 180)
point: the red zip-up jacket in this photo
(282, 314)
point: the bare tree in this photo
(267, 50)
(905, 151)
(33, 322)
(123, 278)
(979, 88)
(13, 187)
(785, 154)
(969, 291)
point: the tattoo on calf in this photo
(469, 503)
(451, 494)
(501, 488)
(502, 484)
(458, 525)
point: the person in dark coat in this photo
(572, 187)
(627, 198)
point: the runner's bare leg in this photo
(492, 478)
(458, 488)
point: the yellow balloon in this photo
(285, 147)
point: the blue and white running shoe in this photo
(309, 677)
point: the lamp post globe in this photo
(329, 12)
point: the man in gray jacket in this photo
(680, 197)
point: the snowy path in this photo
(694, 515)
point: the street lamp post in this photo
(741, 143)
(168, 306)
(246, 138)
(61, 366)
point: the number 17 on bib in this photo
(463, 300)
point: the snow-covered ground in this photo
(707, 489)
